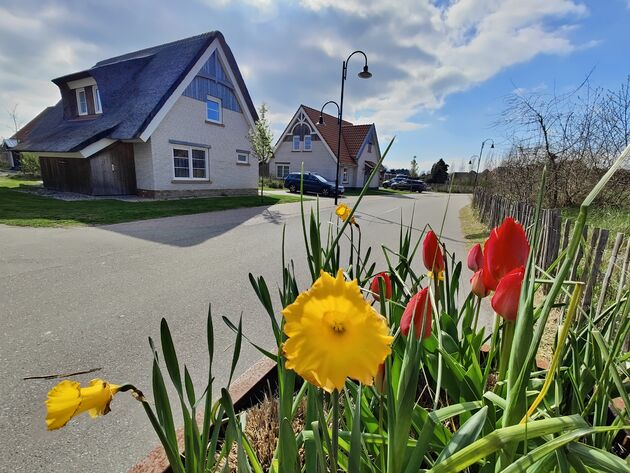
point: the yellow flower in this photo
(343, 212)
(334, 334)
(431, 275)
(69, 399)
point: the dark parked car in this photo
(413, 185)
(313, 183)
(387, 184)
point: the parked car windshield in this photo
(320, 178)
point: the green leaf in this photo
(354, 459)
(468, 433)
(597, 459)
(170, 356)
(237, 349)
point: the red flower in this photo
(432, 254)
(475, 258)
(505, 299)
(419, 309)
(506, 249)
(477, 286)
(374, 287)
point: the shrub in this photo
(29, 164)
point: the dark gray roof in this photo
(133, 87)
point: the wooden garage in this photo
(109, 172)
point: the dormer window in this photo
(82, 106)
(97, 100)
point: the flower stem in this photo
(335, 429)
(506, 348)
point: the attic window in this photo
(97, 100)
(82, 107)
(213, 110)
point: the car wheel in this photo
(325, 192)
(292, 189)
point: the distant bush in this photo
(29, 164)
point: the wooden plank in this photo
(611, 266)
(593, 274)
(624, 272)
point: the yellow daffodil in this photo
(440, 275)
(334, 334)
(343, 212)
(69, 399)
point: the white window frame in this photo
(293, 148)
(78, 92)
(344, 179)
(216, 100)
(278, 165)
(238, 156)
(97, 100)
(190, 163)
(310, 140)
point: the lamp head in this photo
(492, 145)
(365, 73)
(321, 120)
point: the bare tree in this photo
(14, 118)
(261, 141)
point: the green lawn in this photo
(613, 219)
(24, 209)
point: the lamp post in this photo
(364, 74)
(479, 162)
(471, 161)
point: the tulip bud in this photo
(432, 253)
(477, 286)
(505, 299)
(475, 258)
(418, 310)
(375, 285)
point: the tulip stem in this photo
(506, 347)
(493, 349)
(335, 429)
(477, 310)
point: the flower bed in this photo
(381, 370)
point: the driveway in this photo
(84, 298)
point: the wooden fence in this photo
(599, 250)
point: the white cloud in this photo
(449, 49)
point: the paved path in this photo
(80, 298)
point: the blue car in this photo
(313, 183)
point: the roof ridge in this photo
(151, 50)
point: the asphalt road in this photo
(81, 298)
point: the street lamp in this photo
(364, 74)
(479, 162)
(471, 161)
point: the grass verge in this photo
(613, 219)
(474, 231)
(29, 210)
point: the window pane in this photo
(242, 158)
(307, 142)
(180, 162)
(97, 101)
(82, 102)
(214, 110)
(296, 143)
(199, 163)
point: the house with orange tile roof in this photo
(305, 141)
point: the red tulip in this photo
(419, 309)
(475, 258)
(505, 299)
(432, 254)
(477, 286)
(374, 287)
(506, 249)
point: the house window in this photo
(345, 175)
(97, 100)
(190, 163)
(369, 147)
(213, 110)
(296, 143)
(282, 171)
(242, 158)
(82, 102)
(308, 144)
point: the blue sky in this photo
(442, 69)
